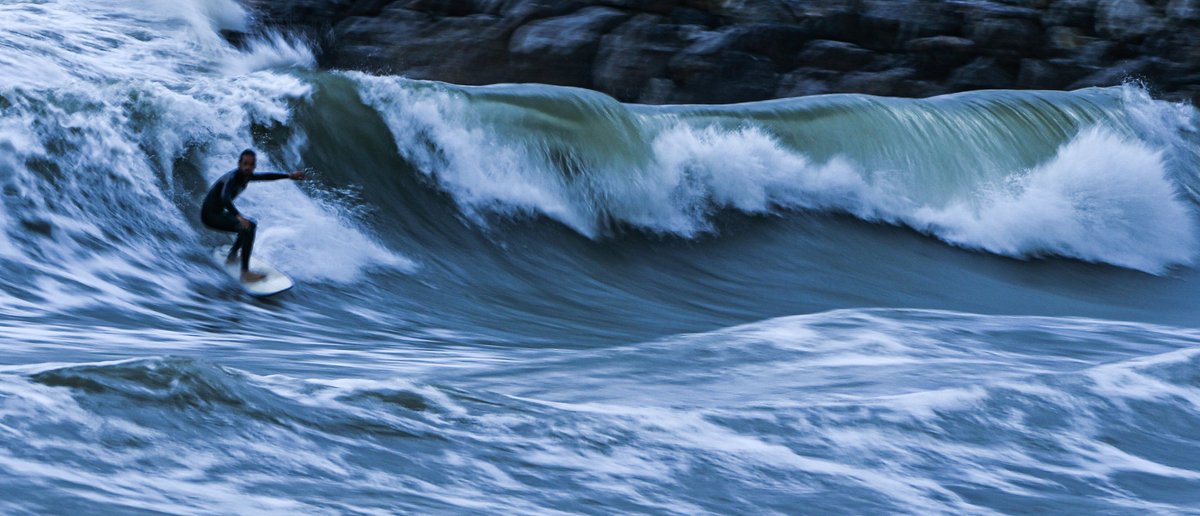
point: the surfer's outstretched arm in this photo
(273, 176)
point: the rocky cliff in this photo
(719, 51)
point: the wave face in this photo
(1083, 175)
(531, 298)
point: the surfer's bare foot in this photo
(231, 259)
(251, 276)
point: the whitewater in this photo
(527, 298)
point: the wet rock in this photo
(777, 42)
(565, 36)
(888, 24)
(835, 55)
(560, 50)
(827, 20)
(800, 86)
(1125, 20)
(758, 11)
(1003, 30)
(657, 91)
(1079, 14)
(421, 47)
(982, 73)
(1129, 70)
(634, 54)
(940, 54)
(722, 77)
(806, 81)
(1063, 41)
(1052, 74)
(919, 89)
(1096, 53)
(887, 83)
(732, 51)
(1185, 10)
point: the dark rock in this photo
(885, 62)
(982, 73)
(1125, 20)
(1079, 14)
(777, 42)
(560, 50)
(733, 51)
(1004, 30)
(805, 81)
(876, 83)
(758, 11)
(939, 54)
(1132, 69)
(514, 14)
(1095, 53)
(919, 89)
(444, 7)
(420, 49)
(1054, 74)
(364, 42)
(686, 16)
(1184, 80)
(888, 24)
(1063, 41)
(302, 12)
(634, 54)
(835, 55)
(722, 78)
(827, 20)
(1185, 10)
(657, 91)
(939, 44)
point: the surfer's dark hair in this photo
(245, 153)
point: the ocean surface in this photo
(533, 299)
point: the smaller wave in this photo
(177, 435)
(178, 386)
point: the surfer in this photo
(219, 213)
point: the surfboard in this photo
(274, 283)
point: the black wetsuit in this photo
(219, 213)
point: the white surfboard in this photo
(274, 283)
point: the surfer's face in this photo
(246, 164)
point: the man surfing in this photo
(219, 213)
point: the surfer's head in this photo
(247, 161)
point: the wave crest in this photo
(1021, 174)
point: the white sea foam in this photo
(273, 52)
(1102, 198)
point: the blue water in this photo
(526, 298)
